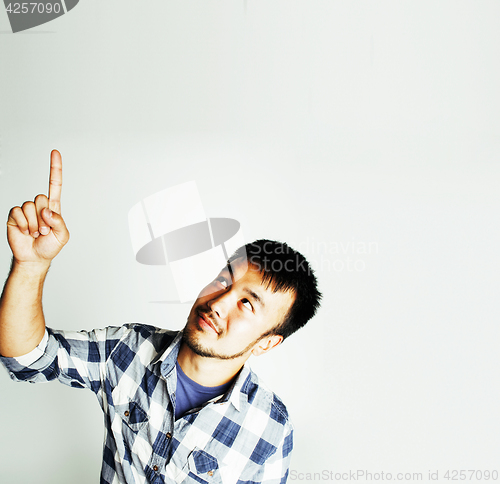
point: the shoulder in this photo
(259, 395)
(128, 330)
(133, 339)
(139, 334)
(129, 338)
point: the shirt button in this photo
(155, 468)
(127, 413)
(169, 435)
(210, 473)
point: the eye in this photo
(247, 304)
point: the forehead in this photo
(248, 278)
(243, 272)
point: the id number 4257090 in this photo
(34, 7)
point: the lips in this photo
(207, 321)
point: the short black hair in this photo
(284, 269)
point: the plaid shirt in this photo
(243, 436)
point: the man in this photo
(179, 406)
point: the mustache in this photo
(208, 314)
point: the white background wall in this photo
(335, 126)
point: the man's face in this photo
(230, 315)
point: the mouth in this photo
(205, 322)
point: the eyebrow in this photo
(255, 296)
(229, 268)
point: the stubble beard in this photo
(191, 340)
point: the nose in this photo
(220, 304)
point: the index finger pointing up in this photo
(55, 181)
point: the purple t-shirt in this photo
(190, 394)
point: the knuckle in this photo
(17, 216)
(28, 204)
(41, 198)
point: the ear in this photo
(267, 344)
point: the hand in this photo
(36, 231)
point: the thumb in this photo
(56, 223)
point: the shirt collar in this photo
(168, 358)
(236, 393)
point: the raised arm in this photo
(36, 233)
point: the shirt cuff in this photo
(29, 358)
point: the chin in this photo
(192, 342)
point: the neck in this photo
(209, 372)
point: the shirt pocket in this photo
(133, 415)
(130, 410)
(204, 466)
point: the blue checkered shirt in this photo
(243, 436)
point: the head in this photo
(266, 292)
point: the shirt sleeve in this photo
(29, 358)
(75, 358)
